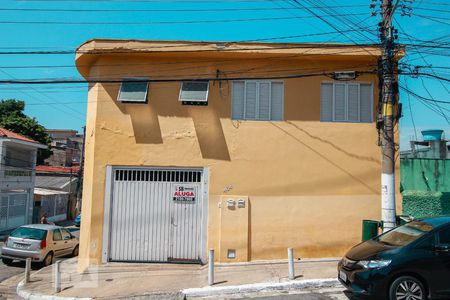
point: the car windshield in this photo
(403, 235)
(29, 233)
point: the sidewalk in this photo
(165, 281)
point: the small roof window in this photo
(194, 91)
(133, 91)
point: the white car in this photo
(41, 242)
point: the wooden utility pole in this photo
(388, 102)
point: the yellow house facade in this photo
(244, 148)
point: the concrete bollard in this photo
(57, 273)
(27, 269)
(291, 264)
(211, 267)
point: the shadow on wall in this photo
(163, 101)
(349, 154)
(356, 178)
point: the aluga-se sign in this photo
(184, 193)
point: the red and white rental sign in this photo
(184, 193)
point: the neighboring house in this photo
(66, 146)
(425, 176)
(56, 191)
(52, 203)
(17, 174)
(245, 148)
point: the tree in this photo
(12, 117)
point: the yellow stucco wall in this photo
(308, 184)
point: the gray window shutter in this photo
(264, 101)
(366, 102)
(339, 102)
(277, 105)
(353, 103)
(326, 102)
(250, 101)
(237, 110)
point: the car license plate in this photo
(21, 246)
(343, 276)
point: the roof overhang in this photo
(23, 143)
(47, 192)
(91, 50)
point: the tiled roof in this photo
(12, 135)
(53, 169)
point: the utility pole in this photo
(81, 173)
(388, 102)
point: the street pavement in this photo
(312, 294)
(11, 275)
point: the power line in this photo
(162, 10)
(423, 98)
(47, 96)
(435, 3)
(432, 18)
(166, 22)
(152, 1)
(81, 81)
(140, 50)
(172, 46)
(324, 20)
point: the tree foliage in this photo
(12, 117)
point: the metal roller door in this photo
(156, 215)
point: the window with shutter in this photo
(365, 102)
(192, 91)
(326, 102)
(237, 109)
(133, 91)
(339, 102)
(264, 101)
(250, 101)
(277, 102)
(257, 100)
(353, 103)
(346, 102)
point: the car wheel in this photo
(48, 260)
(7, 261)
(407, 288)
(75, 251)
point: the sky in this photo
(61, 25)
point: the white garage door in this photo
(156, 215)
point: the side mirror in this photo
(442, 248)
(67, 237)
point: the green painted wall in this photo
(425, 185)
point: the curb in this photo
(261, 287)
(22, 293)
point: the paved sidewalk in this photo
(164, 281)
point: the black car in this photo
(410, 262)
